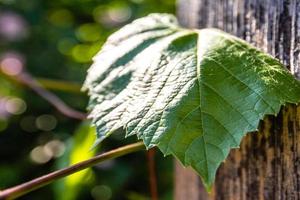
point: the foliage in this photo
(192, 93)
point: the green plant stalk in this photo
(20, 190)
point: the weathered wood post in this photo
(267, 165)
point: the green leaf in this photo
(193, 93)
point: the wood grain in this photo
(267, 165)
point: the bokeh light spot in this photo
(57, 148)
(40, 155)
(113, 16)
(11, 64)
(61, 17)
(120, 14)
(83, 53)
(101, 192)
(12, 26)
(89, 32)
(15, 106)
(46, 122)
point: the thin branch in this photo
(26, 79)
(152, 174)
(51, 84)
(20, 190)
(59, 85)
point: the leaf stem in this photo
(22, 189)
(152, 174)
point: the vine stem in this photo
(26, 79)
(152, 174)
(20, 190)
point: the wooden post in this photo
(267, 165)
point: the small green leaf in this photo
(192, 93)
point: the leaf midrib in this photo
(200, 103)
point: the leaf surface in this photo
(192, 93)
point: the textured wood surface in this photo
(267, 165)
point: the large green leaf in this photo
(192, 93)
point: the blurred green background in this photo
(54, 41)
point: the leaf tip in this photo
(208, 187)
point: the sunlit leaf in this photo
(193, 93)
